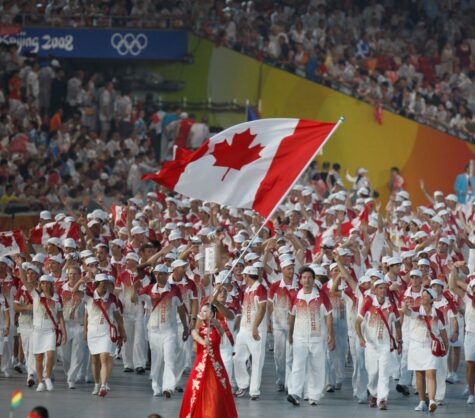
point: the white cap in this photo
(251, 257)
(364, 279)
(375, 273)
(430, 292)
(437, 281)
(161, 268)
(343, 251)
(120, 243)
(285, 249)
(39, 258)
(205, 231)
(132, 256)
(444, 240)
(219, 278)
(85, 253)
(69, 243)
(328, 242)
(332, 266)
(93, 222)
(46, 278)
(170, 256)
(170, 225)
(91, 260)
(239, 238)
(178, 263)
(136, 230)
(175, 234)
(54, 241)
(407, 254)
(45, 215)
(423, 262)
(318, 270)
(205, 209)
(393, 261)
(438, 193)
(451, 198)
(416, 273)
(286, 263)
(250, 270)
(380, 282)
(101, 277)
(56, 258)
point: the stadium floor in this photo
(131, 397)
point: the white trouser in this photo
(282, 356)
(227, 350)
(27, 345)
(134, 351)
(405, 375)
(441, 374)
(72, 353)
(379, 363)
(308, 369)
(163, 349)
(359, 378)
(335, 364)
(7, 354)
(184, 350)
(247, 346)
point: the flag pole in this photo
(297, 178)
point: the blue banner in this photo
(101, 43)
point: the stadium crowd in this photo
(413, 58)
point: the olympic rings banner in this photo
(101, 43)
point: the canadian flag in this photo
(119, 215)
(363, 217)
(59, 230)
(251, 165)
(11, 242)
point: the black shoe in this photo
(18, 369)
(128, 370)
(140, 370)
(167, 394)
(403, 389)
(30, 382)
(254, 398)
(179, 389)
(280, 388)
(293, 400)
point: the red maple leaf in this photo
(237, 154)
(55, 231)
(6, 240)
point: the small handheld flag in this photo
(17, 397)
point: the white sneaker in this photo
(41, 387)
(71, 385)
(421, 407)
(49, 385)
(97, 387)
(465, 392)
(156, 392)
(7, 374)
(471, 400)
(455, 378)
(432, 406)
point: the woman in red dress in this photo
(208, 392)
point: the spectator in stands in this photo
(465, 185)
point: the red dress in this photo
(208, 392)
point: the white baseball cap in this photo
(91, 260)
(69, 243)
(161, 268)
(175, 234)
(120, 243)
(423, 262)
(251, 271)
(416, 273)
(430, 292)
(85, 253)
(132, 256)
(287, 263)
(39, 258)
(54, 241)
(380, 282)
(179, 263)
(437, 281)
(56, 258)
(45, 215)
(251, 257)
(46, 278)
(137, 230)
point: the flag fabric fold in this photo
(250, 165)
(11, 242)
(61, 230)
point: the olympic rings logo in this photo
(129, 43)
